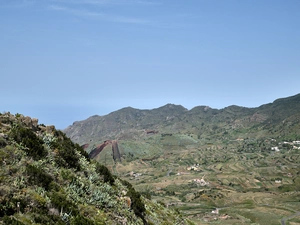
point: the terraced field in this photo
(241, 161)
(248, 187)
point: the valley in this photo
(247, 187)
(230, 166)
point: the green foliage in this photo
(66, 149)
(18, 115)
(290, 187)
(38, 177)
(102, 170)
(3, 142)
(11, 221)
(4, 155)
(60, 200)
(49, 140)
(26, 137)
(136, 203)
(8, 206)
(47, 179)
(84, 192)
(48, 219)
(67, 174)
(82, 151)
(80, 220)
(146, 194)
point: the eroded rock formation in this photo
(99, 148)
(116, 152)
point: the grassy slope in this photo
(232, 147)
(47, 179)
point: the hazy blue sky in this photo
(66, 60)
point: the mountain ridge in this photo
(171, 115)
(243, 161)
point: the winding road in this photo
(289, 217)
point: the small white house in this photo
(215, 211)
(276, 149)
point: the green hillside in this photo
(45, 178)
(242, 161)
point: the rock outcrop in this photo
(99, 148)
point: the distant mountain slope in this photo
(128, 122)
(112, 125)
(243, 162)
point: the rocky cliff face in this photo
(99, 148)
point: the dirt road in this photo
(289, 217)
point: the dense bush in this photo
(146, 194)
(38, 177)
(82, 151)
(80, 220)
(6, 209)
(66, 149)
(136, 203)
(48, 219)
(8, 205)
(11, 221)
(26, 137)
(3, 142)
(107, 176)
(59, 200)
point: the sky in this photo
(63, 61)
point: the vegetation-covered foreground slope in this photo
(47, 179)
(235, 165)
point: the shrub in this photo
(34, 145)
(67, 156)
(147, 194)
(38, 177)
(8, 206)
(107, 176)
(82, 151)
(66, 174)
(4, 155)
(136, 203)
(17, 115)
(3, 142)
(49, 140)
(11, 221)
(47, 219)
(85, 192)
(60, 201)
(80, 220)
